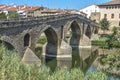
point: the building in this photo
(111, 11)
(90, 9)
(49, 12)
(22, 10)
(2, 6)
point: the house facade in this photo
(111, 11)
(90, 9)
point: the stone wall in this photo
(14, 31)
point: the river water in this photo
(84, 58)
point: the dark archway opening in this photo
(88, 32)
(48, 45)
(7, 45)
(52, 43)
(74, 42)
(26, 40)
(73, 38)
(76, 34)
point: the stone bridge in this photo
(21, 34)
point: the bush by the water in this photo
(110, 63)
(12, 68)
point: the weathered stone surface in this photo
(14, 32)
(29, 57)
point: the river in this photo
(84, 58)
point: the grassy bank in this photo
(110, 63)
(103, 42)
(12, 68)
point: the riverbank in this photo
(12, 68)
(110, 62)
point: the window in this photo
(115, 7)
(112, 7)
(119, 16)
(109, 7)
(119, 23)
(118, 6)
(112, 16)
(106, 7)
(105, 15)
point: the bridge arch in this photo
(75, 29)
(88, 32)
(51, 46)
(27, 40)
(7, 45)
(8, 42)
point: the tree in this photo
(13, 14)
(104, 23)
(2, 16)
(113, 39)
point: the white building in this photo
(90, 9)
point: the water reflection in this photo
(81, 58)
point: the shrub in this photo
(13, 15)
(3, 16)
(42, 40)
(96, 76)
(12, 68)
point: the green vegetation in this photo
(111, 41)
(104, 23)
(39, 46)
(13, 15)
(12, 68)
(42, 40)
(111, 63)
(38, 51)
(101, 42)
(3, 16)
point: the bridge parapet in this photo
(43, 19)
(54, 27)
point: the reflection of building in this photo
(111, 11)
(90, 9)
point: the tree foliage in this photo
(104, 23)
(13, 15)
(113, 39)
(2, 16)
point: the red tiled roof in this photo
(21, 7)
(2, 6)
(11, 8)
(113, 2)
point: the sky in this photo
(63, 4)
